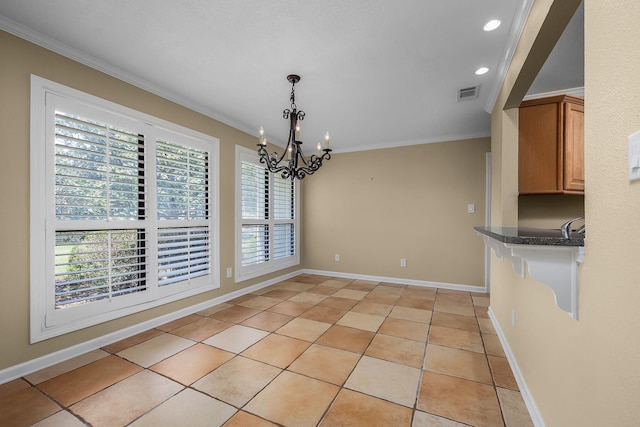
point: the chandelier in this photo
(293, 163)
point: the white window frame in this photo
(250, 271)
(46, 320)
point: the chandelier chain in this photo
(292, 99)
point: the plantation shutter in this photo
(97, 265)
(266, 218)
(99, 203)
(255, 214)
(182, 181)
(284, 210)
(99, 171)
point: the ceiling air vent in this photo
(468, 93)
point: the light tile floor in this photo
(309, 351)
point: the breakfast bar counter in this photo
(551, 258)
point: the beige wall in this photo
(585, 372)
(376, 207)
(504, 187)
(549, 211)
(19, 60)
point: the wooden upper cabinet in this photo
(551, 146)
(574, 147)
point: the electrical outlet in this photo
(471, 208)
(513, 317)
(229, 272)
(337, 257)
(403, 262)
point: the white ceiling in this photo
(375, 73)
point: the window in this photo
(123, 211)
(267, 218)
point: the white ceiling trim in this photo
(517, 26)
(576, 91)
(422, 141)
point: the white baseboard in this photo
(536, 417)
(50, 359)
(425, 283)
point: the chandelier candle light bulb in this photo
(296, 164)
(262, 140)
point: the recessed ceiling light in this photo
(491, 25)
(482, 70)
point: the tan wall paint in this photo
(376, 207)
(549, 211)
(586, 372)
(19, 60)
(504, 187)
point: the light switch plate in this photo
(634, 156)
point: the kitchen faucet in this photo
(566, 228)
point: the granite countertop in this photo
(531, 236)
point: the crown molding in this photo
(576, 91)
(432, 140)
(517, 26)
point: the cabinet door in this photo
(574, 147)
(539, 161)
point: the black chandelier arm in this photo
(272, 160)
(312, 165)
(316, 160)
(287, 113)
(285, 170)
